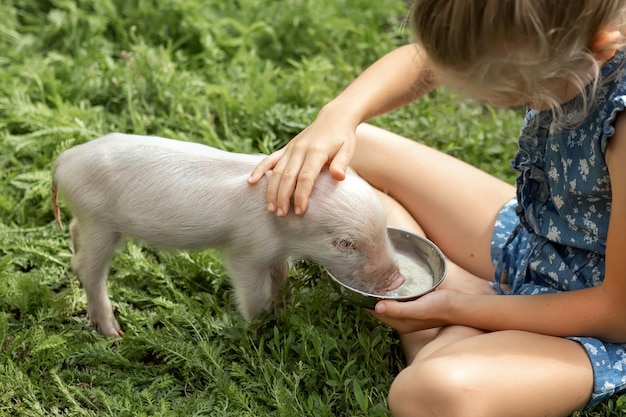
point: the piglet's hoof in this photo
(108, 327)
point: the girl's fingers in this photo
(341, 161)
(265, 165)
(389, 308)
(405, 317)
(310, 170)
(314, 161)
(401, 324)
(295, 169)
(282, 183)
(419, 309)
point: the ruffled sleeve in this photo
(532, 185)
(618, 104)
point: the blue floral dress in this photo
(552, 236)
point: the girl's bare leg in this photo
(454, 203)
(457, 370)
(456, 277)
(433, 194)
(506, 373)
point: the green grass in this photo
(240, 75)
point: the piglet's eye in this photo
(344, 244)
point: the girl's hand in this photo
(396, 79)
(330, 140)
(426, 312)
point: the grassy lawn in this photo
(239, 75)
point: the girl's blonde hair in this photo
(516, 46)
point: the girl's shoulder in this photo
(592, 113)
(612, 82)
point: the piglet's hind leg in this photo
(94, 247)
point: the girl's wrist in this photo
(455, 307)
(343, 110)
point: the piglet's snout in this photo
(393, 281)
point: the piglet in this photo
(187, 196)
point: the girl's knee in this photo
(435, 387)
(418, 390)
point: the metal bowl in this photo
(419, 249)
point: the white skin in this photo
(162, 192)
(468, 352)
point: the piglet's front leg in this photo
(93, 249)
(256, 287)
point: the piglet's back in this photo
(142, 185)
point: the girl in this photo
(555, 244)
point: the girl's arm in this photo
(396, 79)
(613, 302)
(598, 312)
